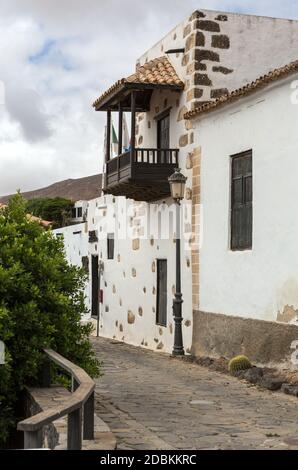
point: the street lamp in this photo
(177, 184)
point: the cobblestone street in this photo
(153, 401)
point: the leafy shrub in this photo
(239, 363)
(41, 303)
(56, 210)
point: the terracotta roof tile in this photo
(252, 87)
(32, 218)
(158, 71)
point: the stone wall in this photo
(264, 342)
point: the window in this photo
(80, 211)
(74, 213)
(241, 201)
(163, 131)
(161, 298)
(110, 245)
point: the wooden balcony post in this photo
(120, 125)
(108, 145)
(133, 130)
(88, 426)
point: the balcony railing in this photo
(140, 168)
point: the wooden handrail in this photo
(82, 396)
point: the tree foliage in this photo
(56, 210)
(41, 303)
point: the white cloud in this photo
(59, 56)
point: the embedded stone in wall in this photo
(160, 345)
(130, 317)
(140, 140)
(145, 344)
(181, 113)
(144, 290)
(219, 92)
(207, 25)
(188, 164)
(118, 258)
(188, 193)
(160, 331)
(171, 328)
(221, 41)
(183, 141)
(191, 138)
(121, 327)
(173, 289)
(136, 244)
(196, 39)
(153, 290)
(120, 302)
(194, 93)
(221, 18)
(202, 79)
(188, 262)
(156, 109)
(151, 240)
(149, 124)
(114, 289)
(185, 60)
(197, 14)
(174, 37)
(140, 311)
(187, 30)
(156, 340)
(107, 308)
(124, 275)
(153, 309)
(141, 116)
(224, 70)
(153, 266)
(116, 322)
(202, 54)
(188, 124)
(187, 323)
(133, 272)
(194, 66)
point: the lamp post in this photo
(177, 184)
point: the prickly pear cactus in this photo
(239, 363)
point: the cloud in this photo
(59, 56)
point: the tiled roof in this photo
(158, 71)
(252, 87)
(32, 218)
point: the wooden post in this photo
(88, 429)
(108, 145)
(120, 124)
(74, 430)
(133, 130)
(33, 439)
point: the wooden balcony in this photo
(141, 174)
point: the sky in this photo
(57, 56)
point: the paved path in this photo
(153, 401)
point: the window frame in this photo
(249, 246)
(110, 246)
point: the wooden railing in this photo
(156, 156)
(81, 402)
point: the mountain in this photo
(85, 188)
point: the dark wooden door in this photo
(163, 136)
(241, 201)
(95, 286)
(162, 300)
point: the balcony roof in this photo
(158, 73)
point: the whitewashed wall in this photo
(75, 239)
(261, 283)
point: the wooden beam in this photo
(133, 131)
(108, 140)
(120, 125)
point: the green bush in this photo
(56, 210)
(41, 303)
(239, 363)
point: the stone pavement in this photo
(153, 401)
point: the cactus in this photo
(239, 363)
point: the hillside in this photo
(85, 188)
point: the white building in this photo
(201, 60)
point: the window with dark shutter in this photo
(80, 211)
(161, 297)
(241, 201)
(110, 247)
